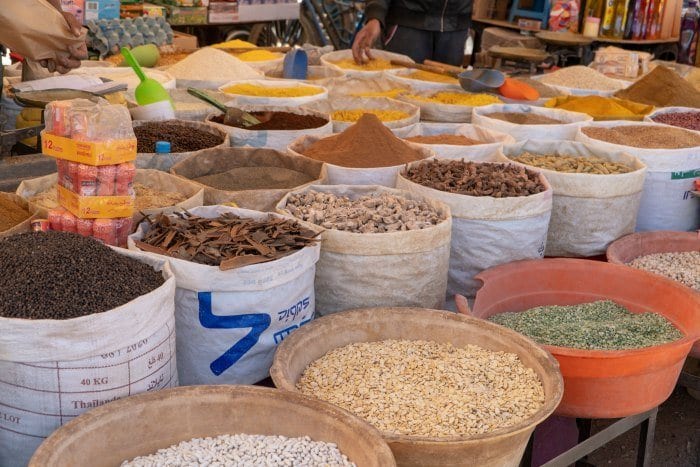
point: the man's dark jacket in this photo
(428, 15)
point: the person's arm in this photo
(375, 12)
(377, 9)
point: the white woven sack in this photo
(358, 270)
(331, 57)
(589, 211)
(238, 100)
(316, 74)
(488, 231)
(368, 103)
(670, 110)
(584, 92)
(54, 370)
(559, 131)
(666, 200)
(264, 66)
(354, 86)
(436, 111)
(489, 151)
(230, 322)
(402, 76)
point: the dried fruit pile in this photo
(227, 241)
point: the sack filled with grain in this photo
(381, 246)
(459, 141)
(376, 86)
(448, 105)
(16, 214)
(289, 93)
(315, 74)
(345, 111)
(343, 60)
(527, 122)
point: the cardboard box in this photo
(101, 9)
(184, 41)
(95, 207)
(223, 12)
(87, 152)
(154, 10)
(184, 16)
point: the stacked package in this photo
(95, 148)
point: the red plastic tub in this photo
(597, 383)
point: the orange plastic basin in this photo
(632, 246)
(599, 383)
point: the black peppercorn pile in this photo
(61, 275)
(181, 138)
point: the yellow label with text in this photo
(95, 207)
(89, 152)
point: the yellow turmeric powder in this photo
(235, 44)
(377, 64)
(601, 108)
(459, 98)
(248, 89)
(433, 77)
(258, 56)
(390, 93)
(353, 115)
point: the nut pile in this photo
(476, 179)
(571, 164)
(373, 213)
(521, 118)
(645, 136)
(683, 267)
(245, 450)
(426, 388)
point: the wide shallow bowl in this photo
(499, 448)
(599, 383)
(140, 425)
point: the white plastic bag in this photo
(330, 58)
(489, 231)
(238, 100)
(230, 322)
(667, 202)
(492, 141)
(358, 270)
(559, 131)
(368, 103)
(51, 371)
(589, 211)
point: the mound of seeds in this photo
(426, 388)
(601, 325)
(181, 138)
(688, 120)
(645, 136)
(476, 179)
(245, 450)
(571, 164)
(683, 267)
(455, 140)
(61, 275)
(373, 213)
(522, 118)
(279, 121)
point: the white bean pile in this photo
(683, 267)
(245, 450)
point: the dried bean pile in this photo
(245, 450)
(601, 325)
(688, 120)
(476, 179)
(61, 275)
(227, 241)
(645, 136)
(524, 118)
(571, 164)
(181, 138)
(683, 267)
(11, 214)
(255, 178)
(456, 140)
(280, 121)
(374, 213)
(426, 388)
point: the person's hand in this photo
(75, 53)
(364, 40)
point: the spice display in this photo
(582, 77)
(249, 89)
(443, 138)
(234, 44)
(181, 138)
(571, 164)
(521, 118)
(688, 120)
(459, 98)
(601, 325)
(373, 213)
(367, 143)
(280, 121)
(255, 178)
(601, 108)
(60, 275)
(245, 450)
(11, 214)
(422, 75)
(683, 267)
(662, 87)
(209, 64)
(645, 136)
(353, 115)
(421, 388)
(228, 241)
(396, 92)
(259, 56)
(378, 64)
(543, 89)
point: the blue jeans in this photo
(446, 47)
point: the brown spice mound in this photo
(663, 88)
(456, 140)
(11, 214)
(524, 118)
(280, 121)
(645, 136)
(255, 178)
(367, 143)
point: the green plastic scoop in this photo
(149, 91)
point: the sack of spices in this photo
(229, 321)
(16, 214)
(672, 157)
(83, 325)
(353, 86)
(253, 178)
(345, 111)
(420, 80)
(459, 141)
(278, 126)
(453, 106)
(527, 122)
(288, 93)
(381, 246)
(315, 74)
(343, 60)
(596, 193)
(500, 213)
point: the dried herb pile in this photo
(228, 241)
